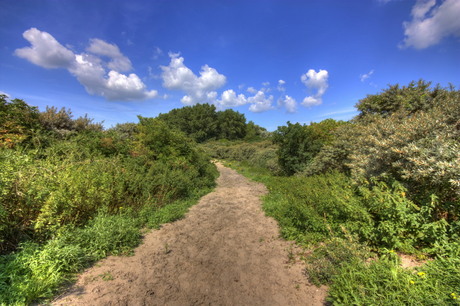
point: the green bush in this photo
(399, 222)
(299, 144)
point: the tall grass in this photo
(38, 271)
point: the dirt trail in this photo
(224, 252)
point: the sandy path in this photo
(225, 252)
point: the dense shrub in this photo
(85, 193)
(68, 182)
(417, 96)
(299, 144)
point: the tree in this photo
(232, 125)
(199, 121)
(412, 98)
(299, 144)
(19, 122)
(55, 120)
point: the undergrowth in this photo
(37, 271)
(356, 232)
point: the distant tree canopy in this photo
(409, 99)
(203, 122)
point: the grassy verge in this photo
(37, 272)
(354, 246)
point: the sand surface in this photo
(224, 252)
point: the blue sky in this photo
(273, 60)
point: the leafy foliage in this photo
(202, 122)
(386, 182)
(409, 99)
(299, 144)
(82, 193)
(18, 122)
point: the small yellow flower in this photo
(454, 296)
(421, 273)
(412, 282)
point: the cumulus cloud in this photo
(260, 103)
(365, 76)
(229, 98)
(203, 88)
(431, 23)
(97, 76)
(198, 89)
(45, 51)
(118, 61)
(315, 81)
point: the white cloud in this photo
(203, 88)
(290, 104)
(118, 61)
(45, 51)
(89, 69)
(431, 23)
(177, 76)
(230, 99)
(260, 103)
(281, 86)
(157, 52)
(311, 101)
(315, 81)
(365, 76)
(252, 90)
(122, 87)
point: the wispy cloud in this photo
(365, 76)
(431, 22)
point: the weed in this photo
(167, 250)
(107, 276)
